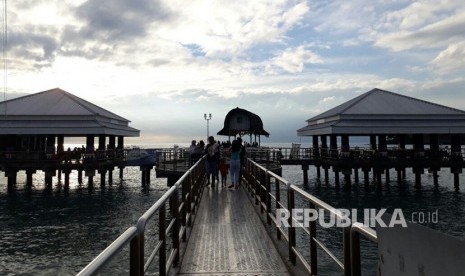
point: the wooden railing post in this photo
(355, 254)
(291, 233)
(162, 238)
(313, 245)
(346, 249)
(278, 199)
(175, 215)
(135, 267)
(268, 198)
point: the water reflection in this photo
(446, 199)
(51, 231)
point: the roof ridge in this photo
(423, 101)
(29, 95)
(73, 98)
(361, 97)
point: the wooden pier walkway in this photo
(228, 238)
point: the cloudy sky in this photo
(164, 63)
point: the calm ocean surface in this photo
(58, 232)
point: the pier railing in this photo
(270, 198)
(181, 200)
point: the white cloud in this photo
(222, 28)
(293, 60)
(421, 25)
(451, 59)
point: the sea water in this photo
(58, 231)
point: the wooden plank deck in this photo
(228, 238)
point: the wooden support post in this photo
(59, 174)
(80, 176)
(435, 177)
(102, 178)
(418, 171)
(326, 176)
(11, 175)
(347, 180)
(356, 180)
(373, 142)
(399, 175)
(67, 179)
(379, 180)
(305, 172)
(29, 174)
(121, 173)
(366, 176)
(90, 182)
(147, 176)
(110, 175)
(336, 178)
(456, 180)
(387, 176)
(143, 179)
(318, 172)
(418, 180)
(316, 151)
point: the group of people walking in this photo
(226, 158)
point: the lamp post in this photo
(207, 118)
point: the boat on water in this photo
(136, 156)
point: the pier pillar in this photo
(333, 145)
(356, 180)
(435, 177)
(347, 180)
(324, 146)
(90, 139)
(456, 171)
(80, 176)
(29, 174)
(147, 176)
(387, 176)
(366, 176)
(60, 144)
(418, 180)
(316, 150)
(336, 176)
(67, 172)
(399, 175)
(110, 176)
(418, 144)
(455, 147)
(326, 175)
(102, 177)
(418, 172)
(379, 180)
(11, 175)
(143, 176)
(50, 145)
(59, 174)
(345, 146)
(305, 172)
(120, 142)
(121, 173)
(434, 145)
(382, 143)
(90, 181)
(318, 172)
(49, 174)
(373, 142)
(456, 180)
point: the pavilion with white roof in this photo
(36, 123)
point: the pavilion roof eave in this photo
(380, 130)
